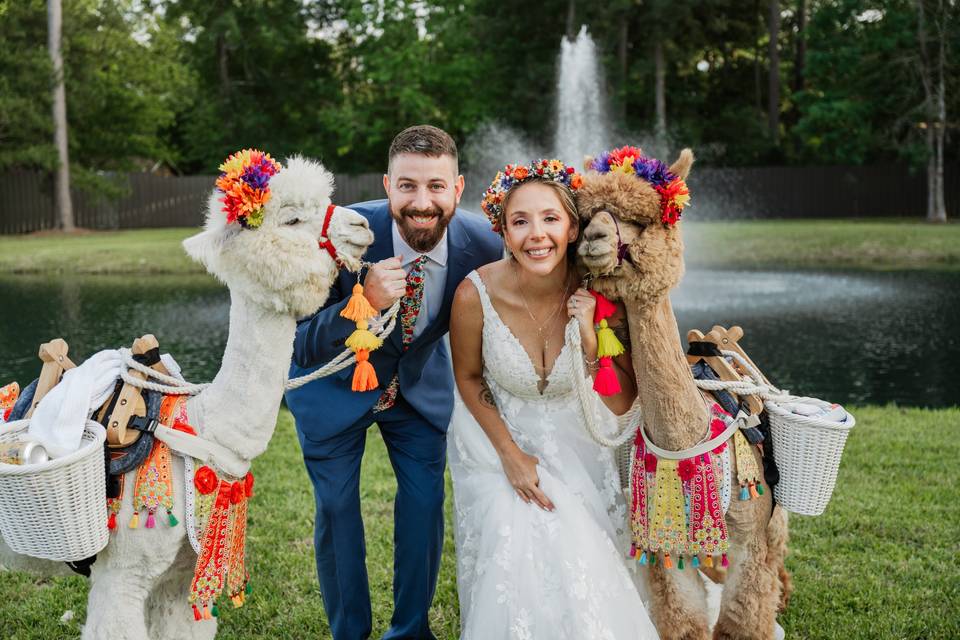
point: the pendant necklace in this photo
(546, 323)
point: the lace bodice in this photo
(506, 363)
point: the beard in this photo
(422, 240)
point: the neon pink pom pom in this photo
(606, 383)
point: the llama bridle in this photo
(325, 241)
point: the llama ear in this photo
(204, 247)
(681, 168)
(587, 161)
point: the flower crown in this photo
(244, 181)
(513, 175)
(674, 195)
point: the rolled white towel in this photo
(58, 421)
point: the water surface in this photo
(845, 337)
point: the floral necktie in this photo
(412, 300)
(409, 311)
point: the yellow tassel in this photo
(364, 376)
(708, 561)
(607, 343)
(358, 307)
(362, 338)
(135, 520)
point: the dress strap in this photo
(477, 281)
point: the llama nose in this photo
(592, 235)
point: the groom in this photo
(422, 250)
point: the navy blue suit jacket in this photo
(327, 406)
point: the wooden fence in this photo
(26, 202)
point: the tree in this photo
(124, 79)
(64, 204)
(935, 101)
(773, 85)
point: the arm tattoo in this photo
(486, 396)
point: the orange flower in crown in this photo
(512, 176)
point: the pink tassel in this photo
(606, 383)
(724, 562)
(150, 521)
(604, 308)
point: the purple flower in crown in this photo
(652, 170)
(256, 177)
(601, 163)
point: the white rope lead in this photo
(629, 422)
(380, 327)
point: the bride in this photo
(538, 510)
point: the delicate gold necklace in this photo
(548, 323)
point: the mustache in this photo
(430, 211)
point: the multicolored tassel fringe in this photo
(221, 561)
(749, 476)
(362, 341)
(677, 509)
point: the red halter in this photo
(325, 242)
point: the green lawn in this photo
(770, 244)
(870, 244)
(881, 563)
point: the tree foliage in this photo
(182, 83)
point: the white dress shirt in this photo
(434, 276)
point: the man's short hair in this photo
(426, 140)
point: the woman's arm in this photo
(466, 341)
(581, 306)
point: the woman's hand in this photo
(581, 306)
(521, 471)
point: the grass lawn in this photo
(869, 244)
(764, 244)
(881, 563)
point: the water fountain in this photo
(582, 127)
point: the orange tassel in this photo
(358, 307)
(667, 562)
(753, 491)
(364, 376)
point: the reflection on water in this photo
(188, 315)
(843, 337)
(878, 337)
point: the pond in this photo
(844, 337)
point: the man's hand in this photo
(385, 284)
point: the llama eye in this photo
(292, 221)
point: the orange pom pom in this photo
(358, 307)
(364, 376)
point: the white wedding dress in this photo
(523, 572)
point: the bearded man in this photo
(424, 247)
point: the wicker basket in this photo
(57, 509)
(807, 451)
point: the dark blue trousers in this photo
(418, 454)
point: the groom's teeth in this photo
(422, 219)
(539, 252)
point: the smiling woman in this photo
(532, 491)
